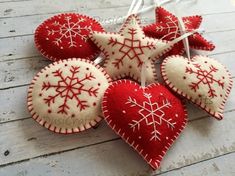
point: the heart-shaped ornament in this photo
(149, 119)
(202, 80)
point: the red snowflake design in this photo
(205, 77)
(130, 48)
(69, 88)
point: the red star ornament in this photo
(65, 96)
(167, 28)
(202, 80)
(128, 49)
(66, 36)
(149, 119)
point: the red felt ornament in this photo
(66, 36)
(167, 28)
(148, 118)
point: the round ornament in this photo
(66, 36)
(65, 96)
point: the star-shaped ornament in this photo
(126, 51)
(167, 28)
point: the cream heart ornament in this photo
(202, 80)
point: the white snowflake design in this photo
(152, 114)
(172, 28)
(70, 30)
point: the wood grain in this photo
(206, 147)
(210, 139)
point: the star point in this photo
(167, 28)
(127, 50)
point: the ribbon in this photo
(135, 8)
(169, 44)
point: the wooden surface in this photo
(206, 147)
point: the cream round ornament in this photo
(65, 96)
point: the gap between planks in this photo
(202, 161)
(101, 8)
(96, 143)
(147, 19)
(110, 141)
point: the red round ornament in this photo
(66, 36)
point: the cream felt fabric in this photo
(126, 51)
(202, 80)
(65, 96)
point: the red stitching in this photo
(114, 42)
(52, 58)
(48, 125)
(126, 138)
(219, 114)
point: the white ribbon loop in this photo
(143, 75)
(136, 5)
(135, 8)
(169, 44)
(182, 29)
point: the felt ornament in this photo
(66, 36)
(167, 28)
(127, 50)
(65, 96)
(148, 118)
(202, 80)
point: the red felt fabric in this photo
(125, 103)
(166, 27)
(66, 36)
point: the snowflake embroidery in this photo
(69, 31)
(69, 88)
(171, 28)
(205, 77)
(130, 48)
(152, 114)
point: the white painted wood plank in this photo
(6, 1)
(23, 8)
(12, 26)
(221, 166)
(12, 9)
(20, 71)
(210, 139)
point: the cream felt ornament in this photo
(127, 50)
(148, 118)
(65, 96)
(66, 36)
(202, 80)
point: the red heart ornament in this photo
(149, 119)
(66, 36)
(202, 80)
